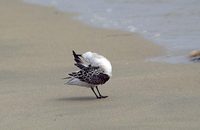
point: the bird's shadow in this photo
(76, 99)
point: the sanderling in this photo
(94, 70)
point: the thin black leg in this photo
(95, 93)
(100, 93)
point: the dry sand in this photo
(35, 53)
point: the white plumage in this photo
(94, 70)
(98, 60)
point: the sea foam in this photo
(173, 24)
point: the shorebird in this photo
(94, 70)
(195, 55)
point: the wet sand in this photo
(35, 53)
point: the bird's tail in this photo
(69, 79)
(74, 81)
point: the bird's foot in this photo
(102, 97)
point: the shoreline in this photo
(35, 47)
(158, 49)
(99, 18)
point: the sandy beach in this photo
(35, 53)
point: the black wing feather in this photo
(92, 75)
(79, 63)
(80, 66)
(76, 57)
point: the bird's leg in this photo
(95, 93)
(100, 93)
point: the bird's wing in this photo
(79, 62)
(91, 75)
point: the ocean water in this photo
(173, 24)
